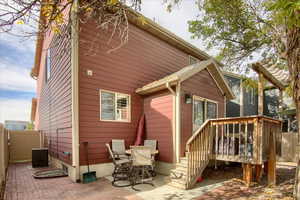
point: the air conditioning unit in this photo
(39, 157)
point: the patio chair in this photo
(118, 147)
(141, 166)
(121, 169)
(151, 143)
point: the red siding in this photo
(142, 60)
(203, 85)
(159, 117)
(54, 99)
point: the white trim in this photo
(116, 94)
(75, 89)
(193, 57)
(170, 89)
(222, 92)
(174, 126)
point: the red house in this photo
(99, 96)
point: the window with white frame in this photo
(203, 109)
(114, 106)
(211, 110)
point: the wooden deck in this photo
(253, 141)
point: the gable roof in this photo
(149, 26)
(186, 73)
(278, 77)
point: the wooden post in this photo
(247, 173)
(258, 172)
(266, 167)
(272, 160)
(260, 94)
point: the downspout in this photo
(75, 92)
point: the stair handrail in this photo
(197, 132)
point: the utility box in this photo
(39, 157)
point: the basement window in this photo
(114, 106)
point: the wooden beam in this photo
(261, 94)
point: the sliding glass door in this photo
(203, 109)
(198, 113)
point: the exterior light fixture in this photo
(188, 98)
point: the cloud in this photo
(13, 77)
(25, 45)
(11, 109)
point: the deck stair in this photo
(198, 154)
(242, 139)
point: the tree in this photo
(242, 29)
(41, 16)
(30, 126)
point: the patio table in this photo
(128, 151)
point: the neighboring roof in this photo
(278, 77)
(33, 108)
(186, 73)
(151, 27)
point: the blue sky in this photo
(16, 86)
(17, 56)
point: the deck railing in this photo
(199, 150)
(238, 139)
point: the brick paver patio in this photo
(218, 184)
(22, 186)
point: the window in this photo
(48, 65)
(114, 106)
(211, 110)
(199, 110)
(235, 85)
(193, 60)
(203, 109)
(251, 96)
